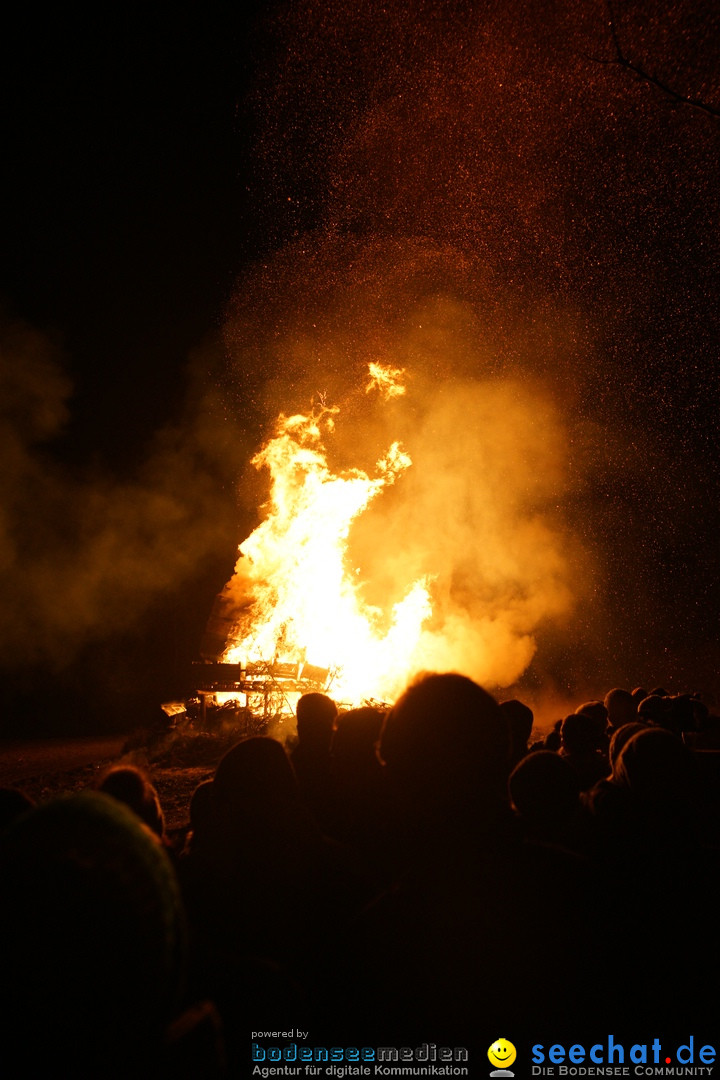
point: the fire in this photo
(386, 380)
(304, 604)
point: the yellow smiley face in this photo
(502, 1053)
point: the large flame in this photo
(304, 602)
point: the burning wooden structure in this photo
(268, 688)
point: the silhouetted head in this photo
(660, 771)
(619, 738)
(255, 774)
(596, 711)
(519, 719)
(552, 740)
(578, 733)
(621, 708)
(686, 713)
(446, 741)
(316, 715)
(655, 709)
(544, 788)
(357, 733)
(130, 786)
(92, 935)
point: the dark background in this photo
(126, 211)
(126, 219)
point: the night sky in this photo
(183, 190)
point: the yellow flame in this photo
(305, 605)
(386, 380)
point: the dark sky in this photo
(126, 215)
(126, 219)
(152, 159)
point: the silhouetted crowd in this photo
(402, 876)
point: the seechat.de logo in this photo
(502, 1053)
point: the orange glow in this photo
(305, 602)
(386, 380)
(445, 551)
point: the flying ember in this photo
(304, 604)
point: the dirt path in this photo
(175, 766)
(24, 760)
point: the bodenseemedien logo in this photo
(501, 1054)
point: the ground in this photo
(176, 761)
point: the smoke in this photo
(485, 418)
(471, 195)
(480, 515)
(84, 555)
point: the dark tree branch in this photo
(621, 60)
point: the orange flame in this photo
(306, 606)
(386, 380)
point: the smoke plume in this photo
(479, 196)
(83, 554)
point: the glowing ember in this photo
(304, 603)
